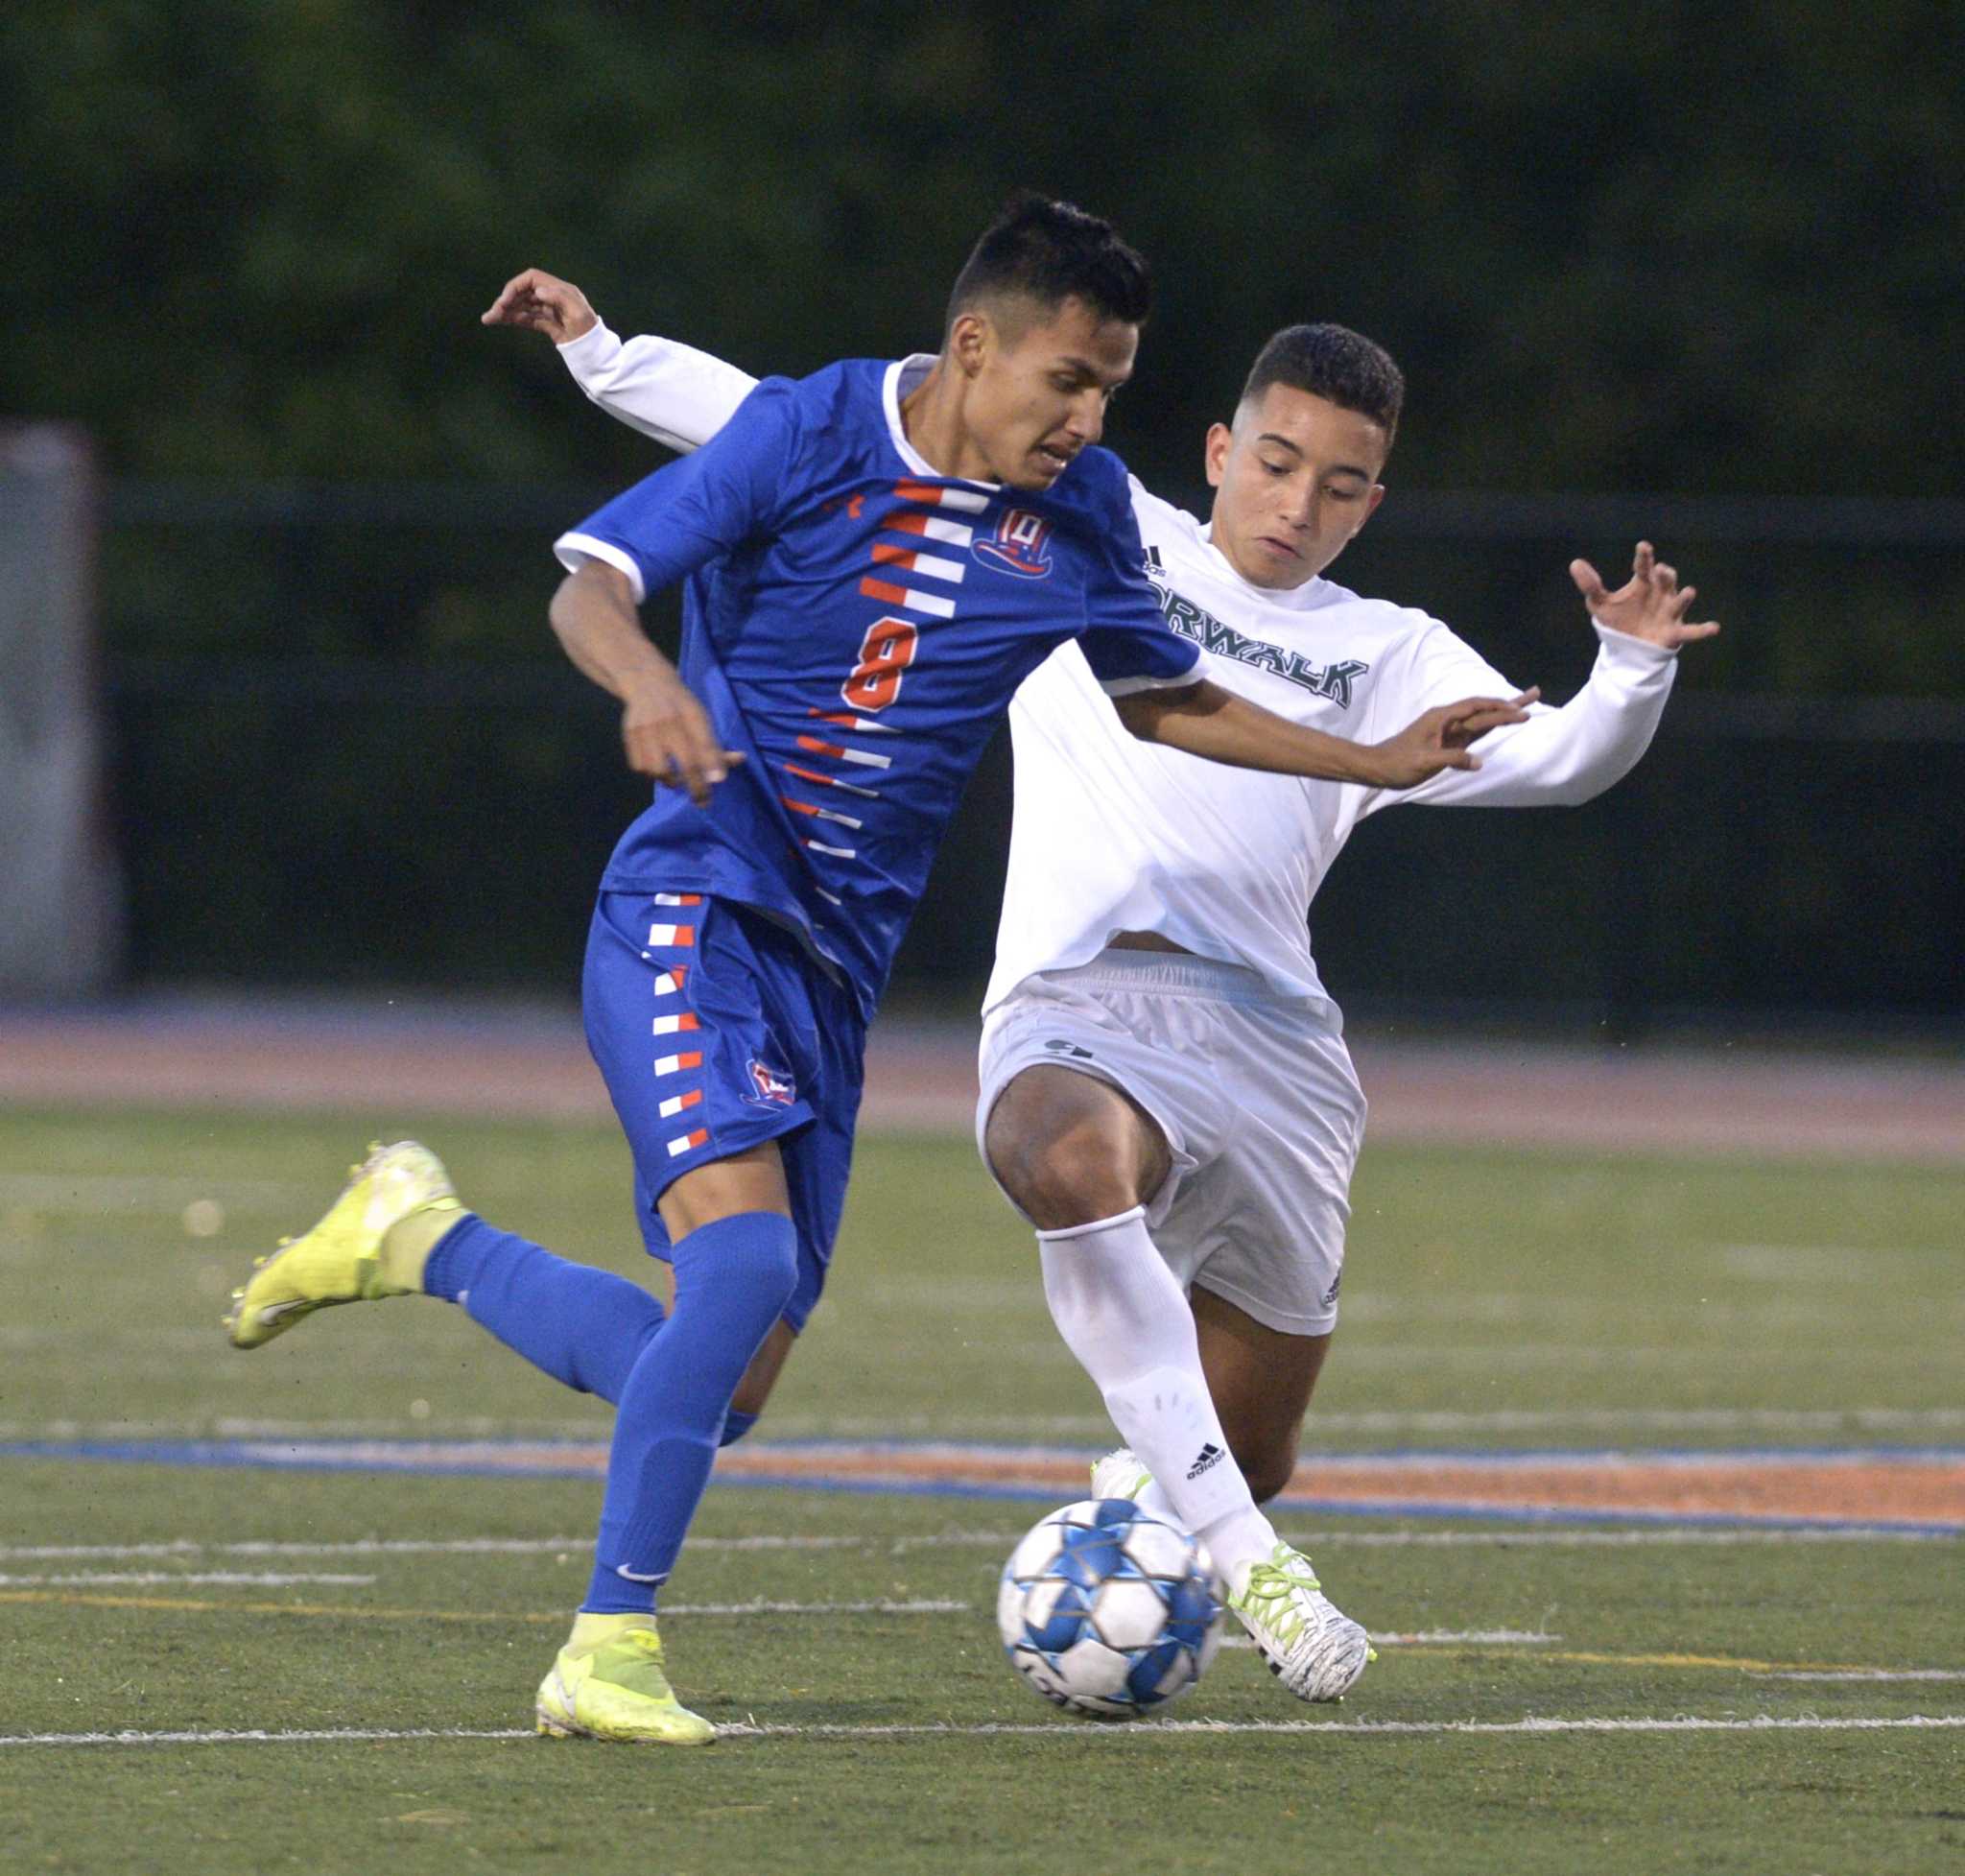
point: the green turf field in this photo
(1492, 1301)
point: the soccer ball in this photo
(1106, 1609)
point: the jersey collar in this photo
(902, 377)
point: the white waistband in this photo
(1171, 973)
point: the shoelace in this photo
(1271, 1584)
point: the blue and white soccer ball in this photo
(1105, 1610)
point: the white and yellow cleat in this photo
(344, 1259)
(1120, 1475)
(1311, 1647)
(610, 1683)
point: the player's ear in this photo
(1220, 440)
(970, 337)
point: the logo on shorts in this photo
(1021, 545)
(1330, 1295)
(1210, 1455)
(770, 1087)
(1059, 1045)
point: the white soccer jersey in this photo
(1115, 835)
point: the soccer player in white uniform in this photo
(1166, 1094)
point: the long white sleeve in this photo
(669, 391)
(1559, 758)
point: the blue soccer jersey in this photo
(855, 624)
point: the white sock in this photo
(1123, 1314)
(1235, 1543)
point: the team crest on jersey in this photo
(769, 1087)
(1020, 545)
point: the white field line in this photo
(1140, 1729)
(1380, 1422)
(927, 1605)
(1511, 1537)
(1764, 1723)
(233, 1579)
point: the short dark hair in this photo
(1335, 362)
(1050, 252)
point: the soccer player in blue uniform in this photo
(876, 558)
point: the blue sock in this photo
(733, 1279)
(584, 1326)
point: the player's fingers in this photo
(1589, 581)
(703, 756)
(1705, 629)
(1664, 578)
(1498, 709)
(1469, 728)
(1641, 561)
(518, 284)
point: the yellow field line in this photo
(363, 1613)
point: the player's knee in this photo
(770, 1272)
(1074, 1177)
(751, 1257)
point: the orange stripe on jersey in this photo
(799, 807)
(809, 775)
(847, 720)
(888, 555)
(885, 594)
(813, 746)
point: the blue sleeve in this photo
(690, 511)
(1125, 640)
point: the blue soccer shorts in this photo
(716, 1031)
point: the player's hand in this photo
(542, 302)
(667, 734)
(1441, 738)
(1651, 605)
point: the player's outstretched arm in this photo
(1564, 757)
(666, 390)
(1205, 719)
(665, 730)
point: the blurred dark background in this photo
(1650, 269)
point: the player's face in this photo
(1038, 387)
(1297, 476)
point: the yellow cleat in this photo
(608, 1683)
(346, 1258)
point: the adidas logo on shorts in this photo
(1209, 1455)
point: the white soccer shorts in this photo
(1255, 1093)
